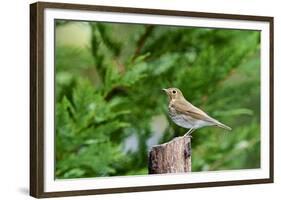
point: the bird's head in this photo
(173, 93)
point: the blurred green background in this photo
(110, 108)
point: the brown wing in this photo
(184, 107)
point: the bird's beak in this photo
(165, 90)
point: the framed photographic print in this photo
(129, 99)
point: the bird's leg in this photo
(188, 134)
(189, 131)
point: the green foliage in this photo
(108, 93)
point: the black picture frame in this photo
(37, 97)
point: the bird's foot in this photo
(188, 135)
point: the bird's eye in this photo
(174, 92)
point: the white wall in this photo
(14, 106)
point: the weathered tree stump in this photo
(171, 157)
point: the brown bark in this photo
(171, 157)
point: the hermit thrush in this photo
(186, 115)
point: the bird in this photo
(186, 115)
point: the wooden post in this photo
(171, 157)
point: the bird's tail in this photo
(221, 125)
